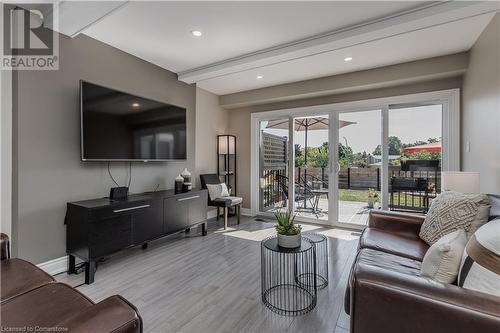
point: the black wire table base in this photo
(288, 277)
(306, 278)
(320, 243)
(304, 300)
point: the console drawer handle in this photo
(188, 198)
(130, 208)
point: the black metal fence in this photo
(362, 179)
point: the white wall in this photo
(481, 109)
(211, 120)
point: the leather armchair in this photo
(385, 292)
(4, 246)
(31, 298)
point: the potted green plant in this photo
(288, 232)
(372, 198)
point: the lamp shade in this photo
(226, 144)
(459, 181)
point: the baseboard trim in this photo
(55, 266)
(246, 212)
(212, 213)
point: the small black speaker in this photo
(118, 193)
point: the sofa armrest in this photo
(397, 222)
(4, 247)
(114, 314)
(397, 302)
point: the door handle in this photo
(188, 198)
(130, 208)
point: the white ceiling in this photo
(283, 41)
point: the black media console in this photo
(101, 227)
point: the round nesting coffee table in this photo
(288, 277)
(320, 242)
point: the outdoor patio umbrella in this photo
(306, 124)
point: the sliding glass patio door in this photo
(358, 172)
(273, 164)
(333, 164)
(415, 142)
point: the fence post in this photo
(348, 178)
(378, 179)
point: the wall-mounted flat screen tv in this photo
(117, 126)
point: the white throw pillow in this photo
(480, 269)
(442, 261)
(217, 191)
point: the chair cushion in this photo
(45, 306)
(394, 243)
(227, 201)
(18, 276)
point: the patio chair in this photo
(301, 192)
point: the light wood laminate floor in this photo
(190, 283)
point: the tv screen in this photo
(117, 126)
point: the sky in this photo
(409, 124)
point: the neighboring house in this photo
(434, 147)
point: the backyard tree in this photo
(395, 146)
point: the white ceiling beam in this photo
(393, 75)
(74, 17)
(420, 18)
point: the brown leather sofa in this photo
(31, 300)
(386, 294)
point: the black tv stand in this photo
(100, 227)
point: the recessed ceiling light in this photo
(260, 77)
(196, 33)
(136, 105)
(347, 59)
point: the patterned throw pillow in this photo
(452, 211)
(481, 260)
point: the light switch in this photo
(467, 146)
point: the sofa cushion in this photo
(18, 276)
(380, 260)
(394, 243)
(45, 306)
(451, 211)
(442, 261)
(388, 261)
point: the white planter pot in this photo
(290, 242)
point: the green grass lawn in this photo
(354, 195)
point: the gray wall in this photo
(481, 109)
(5, 150)
(46, 140)
(211, 120)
